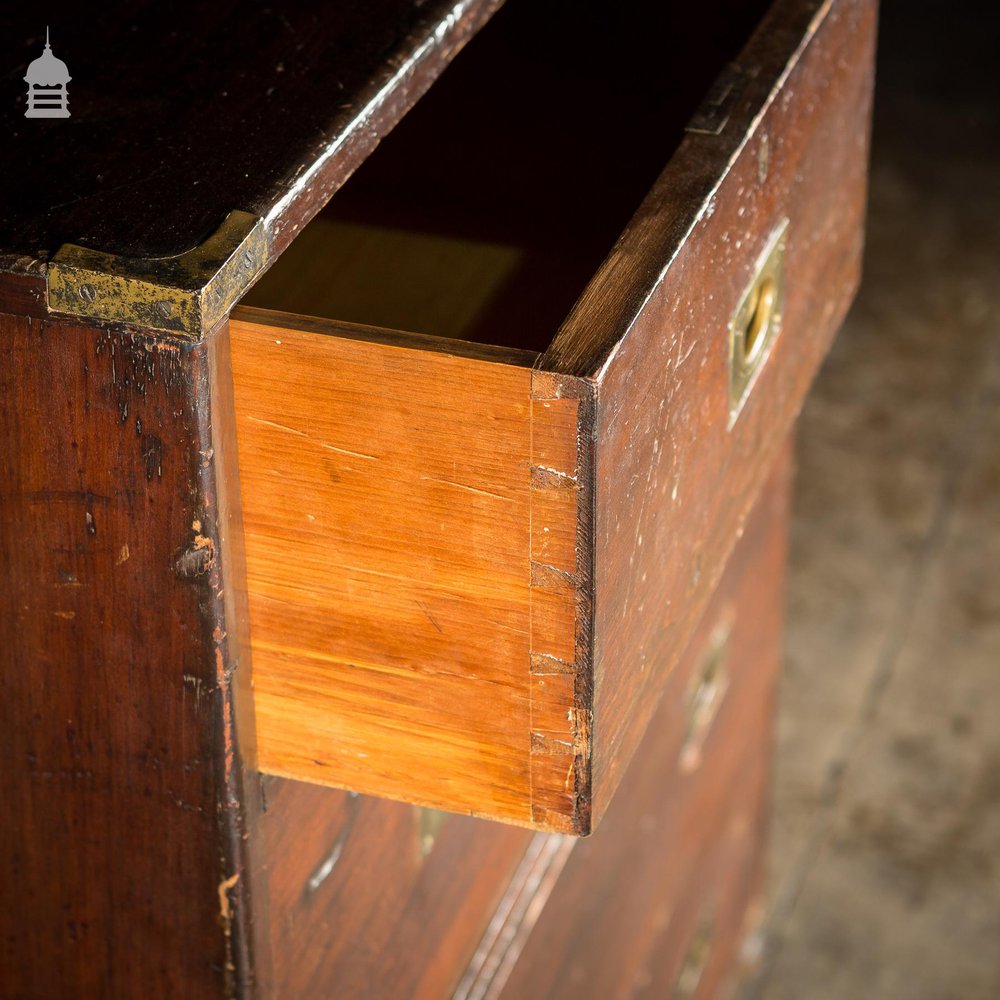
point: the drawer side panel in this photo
(387, 495)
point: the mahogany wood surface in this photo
(680, 847)
(121, 844)
(470, 571)
(363, 901)
(673, 482)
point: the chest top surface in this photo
(182, 112)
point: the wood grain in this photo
(388, 277)
(673, 483)
(395, 600)
(468, 579)
(121, 846)
(364, 903)
(268, 111)
(678, 850)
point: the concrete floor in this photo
(885, 867)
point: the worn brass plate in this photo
(187, 294)
(756, 320)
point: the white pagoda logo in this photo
(47, 78)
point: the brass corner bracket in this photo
(185, 295)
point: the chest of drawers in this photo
(346, 489)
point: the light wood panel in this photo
(387, 501)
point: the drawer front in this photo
(472, 569)
(368, 898)
(769, 210)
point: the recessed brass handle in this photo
(705, 695)
(756, 320)
(695, 961)
(765, 301)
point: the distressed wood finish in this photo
(681, 848)
(499, 568)
(267, 111)
(370, 898)
(379, 899)
(473, 574)
(121, 847)
(130, 832)
(673, 483)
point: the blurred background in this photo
(885, 860)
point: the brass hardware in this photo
(715, 110)
(695, 961)
(187, 294)
(763, 159)
(429, 823)
(708, 688)
(756, 320)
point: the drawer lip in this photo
(445, 346)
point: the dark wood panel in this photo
(183, 112)
(370, 898)
(680, 846)
(121, 836)
(674, 476)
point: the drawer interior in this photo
(483, 215)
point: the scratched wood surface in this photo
(121, 839)
(369, 898)
(680, 850)
(266, 110)
(384, 899)
(673, 482)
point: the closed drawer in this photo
(460, 904)
(654, 904)
(473, 562)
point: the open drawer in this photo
(488, 493)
